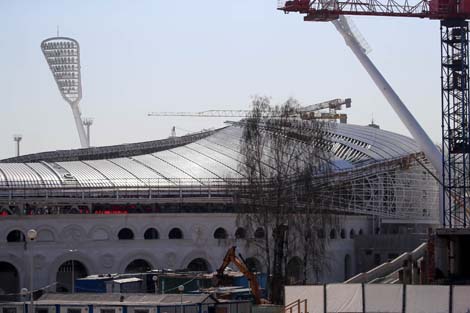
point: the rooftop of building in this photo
(134, 299)
(191, 160)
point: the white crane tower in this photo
(360, 49)
(63, 57)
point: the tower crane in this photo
(455, 104)
(307, 113)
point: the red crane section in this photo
(328, 10)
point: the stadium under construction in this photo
(167, 204)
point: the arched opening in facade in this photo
(361, 232)
(68, 273)
(347, 266)
(9, 278)
(259, 233)
(254, 265)
(175, 233)
(333, 234)
(352, 233)
(294, 271)
(151, 234)
(138, 266)
(343, 234)
(46, 235)
(220, 233)
(240, 233)
(126, 234)
(199, 265)
(15, 236)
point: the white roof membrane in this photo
(214, 157)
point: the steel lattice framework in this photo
(393, 189)
(401, 187)
(455, 121)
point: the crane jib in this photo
(325, 11)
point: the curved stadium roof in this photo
(212, 155)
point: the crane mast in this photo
(455, 103)
(455, 121)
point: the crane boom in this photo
(328, 10)
(335, 104)
(418, 133)
(307, 113)
(208, 113)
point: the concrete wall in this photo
(373, 250)
(94, 242)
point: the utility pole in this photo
(17, 138)
(88, 121)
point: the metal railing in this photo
(297, 306)
(390, 267)
(120, 189)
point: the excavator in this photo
(231, 257)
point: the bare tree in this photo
(282, 156)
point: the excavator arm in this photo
(231, 257)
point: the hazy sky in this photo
(151, 55)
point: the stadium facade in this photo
(167, 204)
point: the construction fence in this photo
(377, 298)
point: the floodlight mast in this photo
(63, 57)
